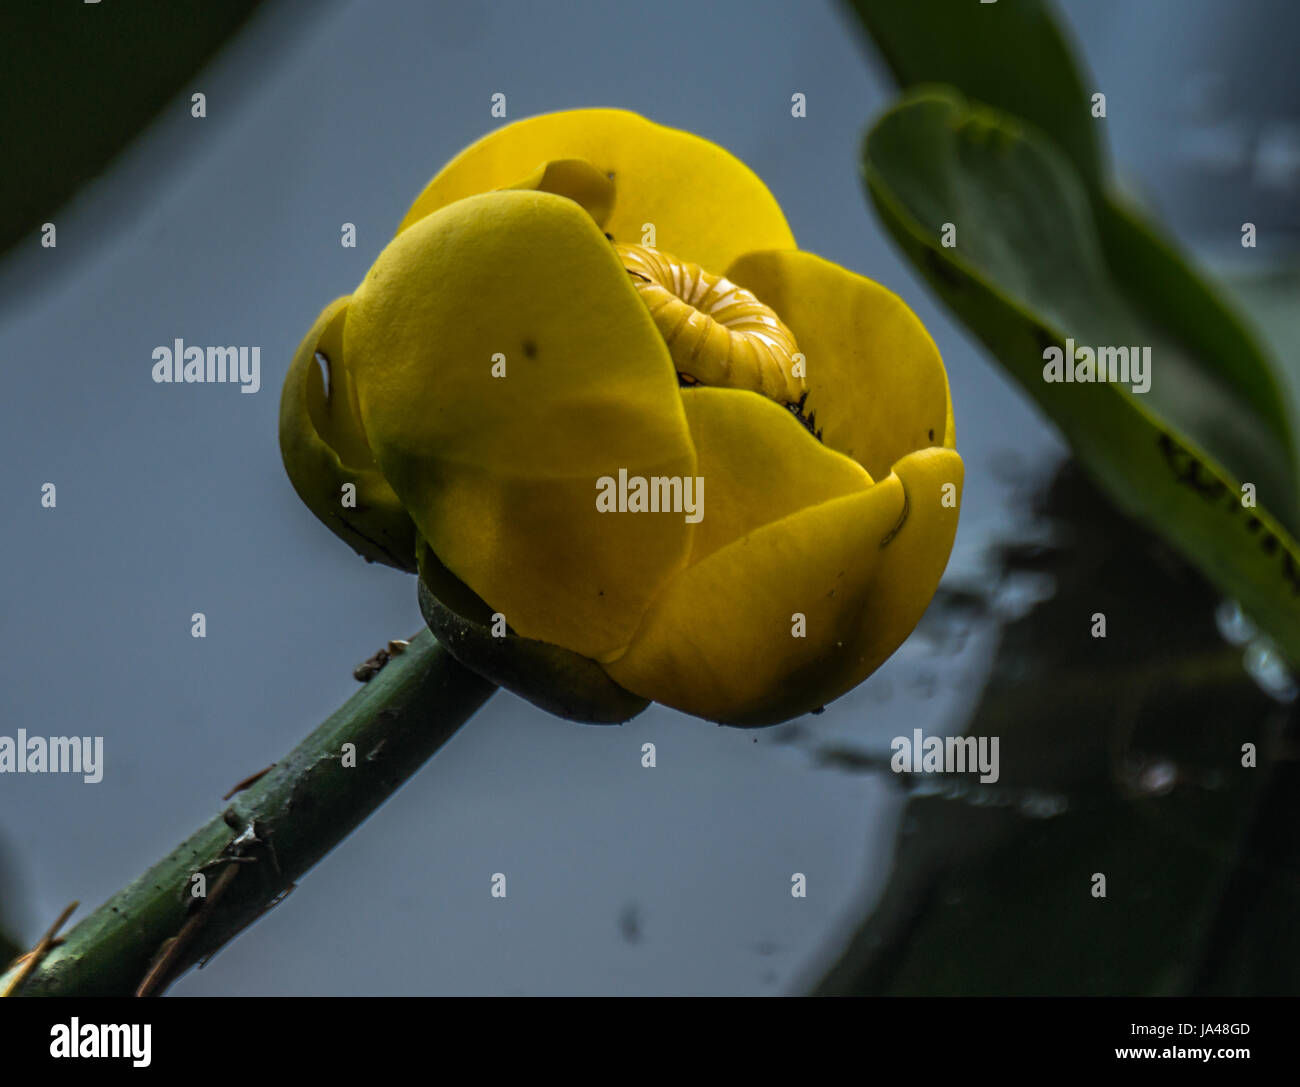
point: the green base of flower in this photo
(555, 679)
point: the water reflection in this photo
(1134, 767)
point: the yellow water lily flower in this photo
(640, 446)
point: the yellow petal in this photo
(861, 569)
(876, 384)
(334, 412)
(758, 464)
(911, 563)
(720, 642)
(578, 180)
(706, 205)
(501, 473)
(324, 448)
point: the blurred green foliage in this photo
(997, 137)
(81, 80)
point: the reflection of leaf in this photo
(1139, 734)
(1028, 271)
(1254, 947)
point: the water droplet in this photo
(1234, 627)
(1157, 778)
(1265, 666)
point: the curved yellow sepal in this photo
(910, 563)
(324, 450)
(577, 180)
(724, 640)
(758, 464)
(853, 574)
(504, 365)
(704, 204)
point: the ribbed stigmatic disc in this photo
(717, 333)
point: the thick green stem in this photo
(277, 828)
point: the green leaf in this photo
(1012, 55)
(1028, 271)
(1148, 270)
(1015, 56)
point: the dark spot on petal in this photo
(530, 349)
(932, 435)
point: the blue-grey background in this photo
(172, 499)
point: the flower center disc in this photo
(717, 333)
